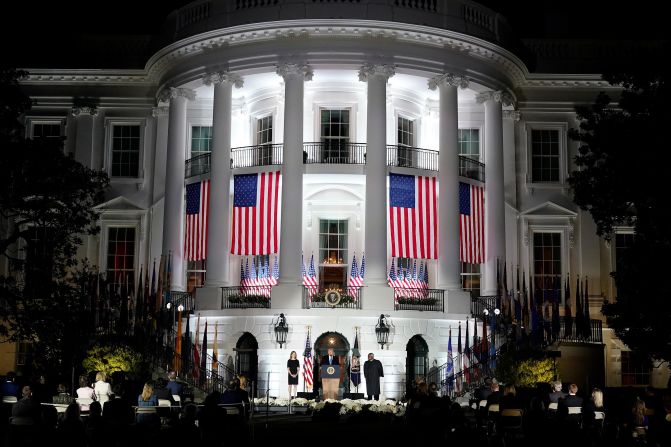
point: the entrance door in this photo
(416, 361)
(341, 349)
(246, 358)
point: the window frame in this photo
(104, 241)
(613, 255)
(344, 234)
(480, 157)
(562, 135)
(190, 137)
(110, 123)
(31, 121)
(564, 251)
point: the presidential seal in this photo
(330, 370)
(332, 297)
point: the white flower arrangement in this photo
(347, 406)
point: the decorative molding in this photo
(525, 232)
(290, 68)
(512, 115)
(504, 98)
(571, 232)
(169, 93)
(223, 76)
(385, 70)
(449, 79)
(84, 110)
(160, 111)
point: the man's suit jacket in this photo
(325, 360)
(569, 401)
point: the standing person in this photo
(292, 370)
(330, 386)
(372, 371)
(102, 389)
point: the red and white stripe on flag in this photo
(255, 213)
(195, 233)
(472, 223)
(413, 216)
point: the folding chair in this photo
(492, 417)
(553, 406)
(177, 399)
(510, 422)
(9, 399)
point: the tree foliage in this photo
(622, 181)
(524, 369)
(46, 206)
(112, 358)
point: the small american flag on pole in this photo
(355, 280)
(413, 216)
(307, 364)
(472, 223)
(195, 234)
(255, 207)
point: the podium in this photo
(330, 375)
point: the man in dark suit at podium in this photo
(330, 386)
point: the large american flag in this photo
(195, 235)
(307, 364)
(413, 216)
(255, 199)
(472, 223)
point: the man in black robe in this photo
(372, 371)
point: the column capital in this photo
(448, 79)
(504, 98)
(368, 70)
(169, 93)
(290, 68)
(84, 110)
(159, 111)
(512, 115)
(221, 77)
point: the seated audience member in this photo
(71, 428)
(27, 408)
(556, 393)
(210, 418)
(484, 391)
(85, 392)
(233, 394)
(495, 395)
(162, 392)
(509, 399)
(572, 400)
(592, 405)
(147, 399)
(118, 410)
(62, 397)
(176, 388)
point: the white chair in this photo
(163, 403)
(599, 415)
(177, 399)
(84, 401)
(483, 403)
(553, 406)
(494, 408)
(9, 399)
(574, 410)
(60, 408)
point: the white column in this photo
(173, 209)
(495, 231)
(218, 242)
(291, 231)
(449, 267)
(375, 236)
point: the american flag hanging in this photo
(255, 217)
(472, 223)
(195, 235)
(413, 216)
(355, 280)
(307, 364)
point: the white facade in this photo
(227, 67)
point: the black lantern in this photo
(281, 330)
(382, 331)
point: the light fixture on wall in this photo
(382, 331)
(281, 330)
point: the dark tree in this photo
(46, 207)
(622, 180)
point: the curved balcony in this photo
(334, 152)
(198, 165)
(471, 168)
(241, 157)
(412, 157)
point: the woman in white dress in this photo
(102, 389)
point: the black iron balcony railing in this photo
(245, 297)
(259, 155)
(471, 168)
(198, 165)
(419, 299)
(412, 157)
(349, 299)
(181, 298)
(481, 303)
(334, 152)
(577, 333)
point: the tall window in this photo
(46, 130)
(469, 143)
(635, 369)
(201, 140)
(406, 139)
(544, 155)
(264, 139)
(547, 265)
(623, 242)
(333, 253)
(470, 277)
(335, 135)
(125, 150)
(195, 274)
(121, 255)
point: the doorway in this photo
(246, 358)
(341, 349)
(416, 361)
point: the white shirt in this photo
(103, 391)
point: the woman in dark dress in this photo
(292, 369)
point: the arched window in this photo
(246, 357)
(417, 360)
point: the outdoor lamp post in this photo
(382, 331)
(281, 330)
